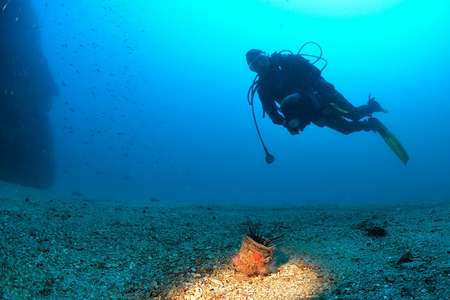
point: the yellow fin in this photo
(395, 145)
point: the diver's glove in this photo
(293, 126)
(292, 130)
(277, 119)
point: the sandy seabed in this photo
(81, 249)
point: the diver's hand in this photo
(293, 131)
(278, 119)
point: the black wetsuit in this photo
(320, 103)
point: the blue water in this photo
(152, 100)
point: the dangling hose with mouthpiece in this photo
(250, 98)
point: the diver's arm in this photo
(269, 107)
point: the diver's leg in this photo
(366, 110)
(346, 127)
(329, 95)
(360, 112)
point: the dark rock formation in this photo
(372, 229)
(26, 91)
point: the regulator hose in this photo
(250, 98)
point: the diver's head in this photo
(257, 61)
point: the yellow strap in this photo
(338, 108)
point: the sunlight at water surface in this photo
(337, 7)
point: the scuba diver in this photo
(294, 94)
